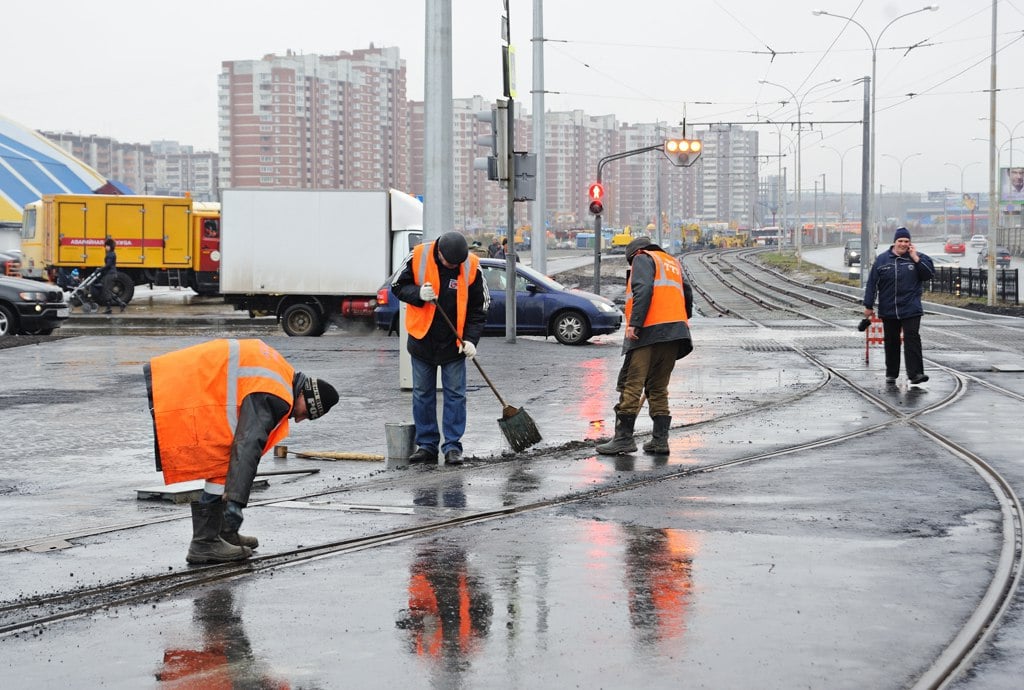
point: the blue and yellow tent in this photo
(31, 165)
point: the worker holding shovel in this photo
(217, 408)
(439, 279)
(658, 308)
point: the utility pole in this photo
(539, 233)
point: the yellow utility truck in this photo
(159, 240)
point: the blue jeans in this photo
(424, 404)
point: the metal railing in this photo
(973, 282)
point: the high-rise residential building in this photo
(160, 167)
(728, 186)
(129, 164)
(177, 169)
(315, 121)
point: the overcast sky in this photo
(139, 71)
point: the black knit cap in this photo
(320, 397)
(636, 245)
(453, 247)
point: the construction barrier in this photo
(874, 335)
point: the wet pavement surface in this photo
(843, 566)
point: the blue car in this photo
(543, 307)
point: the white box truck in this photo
(313, 257)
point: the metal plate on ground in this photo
(350, 507)
(1008, 366)
(183, 492)
(46, 546)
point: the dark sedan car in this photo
(851, 252)
(30, 307)
(1002, 258)
(543, 307)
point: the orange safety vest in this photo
(197, 393)
(424, 270)
(668, 301)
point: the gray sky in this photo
(139, 71)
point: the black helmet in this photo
(453, 247)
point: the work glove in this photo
(467, 348)
(427, 293)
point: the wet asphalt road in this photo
(847, 566)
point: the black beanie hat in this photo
(320, 397)
(901, 233)
(453, 247)
(642, 242)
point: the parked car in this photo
(851, 252)
(1002, 258)
(30, 307)
(955, 245)
(543, 306)
(978, 240)
(10, 263)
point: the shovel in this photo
(516, 425)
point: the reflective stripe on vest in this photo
(668, 301)
(425, 270)
(197, 393)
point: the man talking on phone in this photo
(897, 281)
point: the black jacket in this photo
(439, 345)
(898, 284)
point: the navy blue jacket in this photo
(897, 283)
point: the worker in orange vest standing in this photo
(217, 408)
(658, 308)
(441, 275)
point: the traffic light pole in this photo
(597, 217)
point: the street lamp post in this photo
(962, 169)
(901, 162)
(874, 84)
(798, 228)
(842, 198)
(1012, 132)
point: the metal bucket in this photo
(401, 438)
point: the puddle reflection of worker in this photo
(448, 494)
(449, 609)
(225, 659)
(521, 480)
(659, 581)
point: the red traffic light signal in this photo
(596, 195)
(683, 152)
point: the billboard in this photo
(1011, 184)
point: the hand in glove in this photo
(427, 293)
(467, 348)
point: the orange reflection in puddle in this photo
(594, 384)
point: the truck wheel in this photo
(571, 328)
(119, 285)
(302, 320)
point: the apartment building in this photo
(315, 121)
(160, 167)
(728, 189)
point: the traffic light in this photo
(596, 195)
(496, 163)
(683, 152)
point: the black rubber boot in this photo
(623, 441)
(207, 546)
(229, 530)
(658, 445)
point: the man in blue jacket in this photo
(896, 280)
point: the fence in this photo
(973, 282)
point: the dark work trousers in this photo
(649, 369)
(911, 328)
